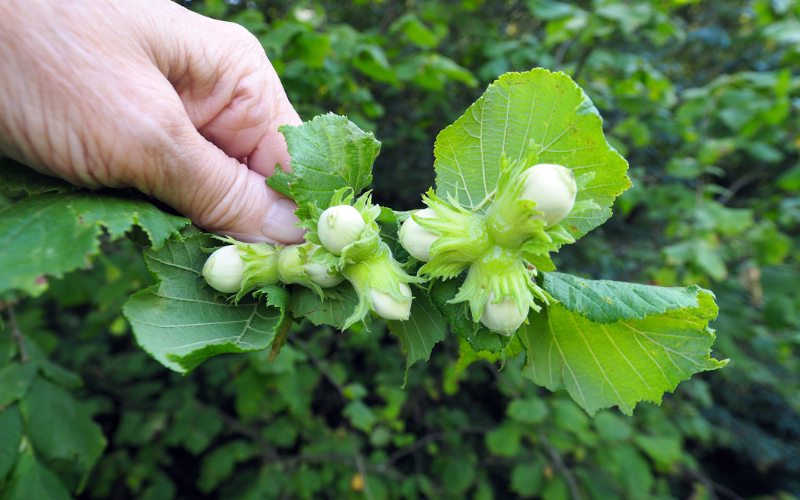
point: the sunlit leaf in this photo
(618, 364)
(328, 153)
(547, 109)
(604, 301)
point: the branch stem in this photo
(560, 465)
(17, 334)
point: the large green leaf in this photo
(182, 322)
(328, 153)
(423, 329)
(31, 479)
(621, 363)
(51, 234)
(610, 301)
(565, 127)
(60, 428)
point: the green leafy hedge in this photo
(699, 97)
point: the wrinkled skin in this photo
(148, 95)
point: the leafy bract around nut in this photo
(388, 307)
(321, 275)
(367, 262)
(260, 266)
(495, 247)
(295, 266)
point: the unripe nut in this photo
(388, 307)
(320, 274)
(292, 268)
(416, 239)
(223, 269)
(553, 188)
(504, 317)
(340, 226)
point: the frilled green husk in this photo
(260, 266)
(505, 273)
(360, 249)
(493, 246)
(379, 271)
(366, 263)
(463, 238)
(291, 262)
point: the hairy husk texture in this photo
(494, 247)
(367, 262)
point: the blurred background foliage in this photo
(702, 99)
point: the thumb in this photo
(224, 196)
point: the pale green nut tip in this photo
(416, 239)
(503, 317)
(223, 269)
(553, 188)
(390, 308)
(340, 226)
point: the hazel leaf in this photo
(54, 233)
(621, 363)
(605, 301)
(538, 107)
(423, 329)
(181, 321)
(328, 153)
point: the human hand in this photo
(148, 95)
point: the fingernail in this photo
(279, 224)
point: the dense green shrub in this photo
(700, 97)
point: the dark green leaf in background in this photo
(10, 438)
(527, 479)
(15, 177)
(51, 234)
(52, 371)
(528, 411)
(32, 480)
(59, 427)
(15, 379)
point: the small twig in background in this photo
(556, 457)
(562, 51)
(360, 466)
(424, 441)
(711, 485)
(17, 334)
(739, 184)
(320, 366)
